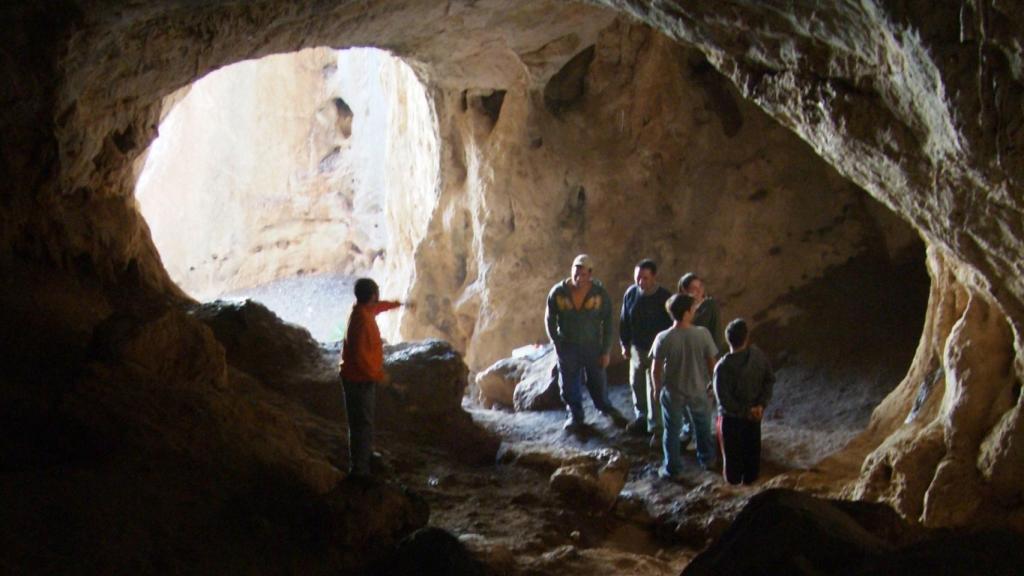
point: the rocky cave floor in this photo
(508, 513)
(511, 518)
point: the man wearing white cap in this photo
(579, 324)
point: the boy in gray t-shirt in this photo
(683, 361)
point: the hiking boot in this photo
(616, 417)
(638, 427)
(573, 424)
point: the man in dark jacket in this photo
(643, 316)
(707, 316)
(707, 308)
(743, 386)
(579, 324)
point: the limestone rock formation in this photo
(676, 167)
(282, 356)
(539, 389)
(497, 384)
(947, 436)
(591, 478)
(316, 162)
(161, 435)
(423, 398)
(594, 478)
(119, 406)
(526, 382)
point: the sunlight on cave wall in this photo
(316, 163)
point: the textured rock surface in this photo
(783, 532)
(282, 356)
(946, 437)
(423, 399)
(676, 167)
(594, 478)
(158, 437)
(526, 382)
(292, 164)
(538, 389)
(497, 384)
(916, 102)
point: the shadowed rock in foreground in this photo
(787, 532)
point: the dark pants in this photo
(741, 449)
(359, 405)
(578, 365)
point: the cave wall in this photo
(921, 105)
(918, 103)
(636, 148)
(944, 448)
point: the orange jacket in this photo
(362, 356)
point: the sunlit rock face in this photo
(292, 164)
(917, 103)
(636, 148)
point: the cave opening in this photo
(284, 179)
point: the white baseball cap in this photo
(583, 260)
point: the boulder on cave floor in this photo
(496, 385)
(282, 356)
(787, 532)
(526, 382)
(423, 399)
(430, 550)
(594, 478)
(588, 478)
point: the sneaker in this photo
(684, 440)
(685, 436)
(664, 474)
(655, 441)
(638, 427)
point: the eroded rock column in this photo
(949, 438)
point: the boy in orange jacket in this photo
(362, 368)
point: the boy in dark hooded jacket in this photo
(743, 386)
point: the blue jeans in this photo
(577, 365)
(673, 407)
(359, 405)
